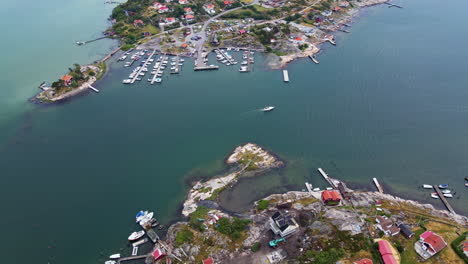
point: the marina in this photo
(158, 69)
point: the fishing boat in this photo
(114, 256)
(448, 195)
(427, 186)
(434, 195)
(443, 186)
(446, 191)
(267, 109)
(136, 235)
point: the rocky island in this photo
(331, 226)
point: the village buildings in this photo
(429, 244)
(386, 225)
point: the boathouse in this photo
(405, 230)
(331, 197)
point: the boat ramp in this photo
(285, 76)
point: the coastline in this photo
(352, 216)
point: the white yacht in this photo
(268, 109)
(136, 235)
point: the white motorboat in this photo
(244, 63)
(448, 195)
(127, 81)
(110, 262)
(427, 186)
(443, 186)
(446, 191)
(158, 80)
(434, 195)
(268, 109)
(114, 256)
(136, 235)
(316, 189)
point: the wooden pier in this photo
(79, 43)
(131, 258)
(312, 57)
(377, 184)
(442, 198)
(328, 179)
(92, 88)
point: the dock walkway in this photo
(142, 67)
(442, 198)
(92, 88)
(131, 258)
(377, 184)
(155, 76)
(328, 179)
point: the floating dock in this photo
(135, 251)
(152, 235)
(206, 68)
(328, 179)
(285, 76)
(309, 187)
(140, 242)
(131, 258)
(442, 198)
(377, 184)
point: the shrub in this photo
(184, 235)
(256, 247)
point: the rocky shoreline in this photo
(316, 220)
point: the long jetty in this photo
(442, 198)
(142, 67)
(328, 179)
(92, 88)
(89, 41)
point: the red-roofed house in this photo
(336, 9)
(158, 253)
(429, 244)
(138, 22)
(183, 2)
(363, 261)
(386, 252)
(209, 8)
(66, 79)
(170, 20)
(188, 11)
(242, 31)
(465, 248)
(208, 261)
(163, 9)
(387, 226)
(189, 17)
(157, 5)
(329, 197)
(228, 2)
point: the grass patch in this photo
(103, 67)
(263, 205)
(307, 201)
(195, 217)
(184, 235)
(256, 247)
(232, 228)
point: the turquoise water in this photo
(390, 101)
